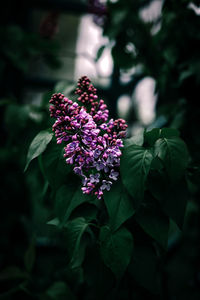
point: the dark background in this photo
(38, 56)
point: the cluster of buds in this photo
(88, 97)
(92, 143)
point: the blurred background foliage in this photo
(152, 41)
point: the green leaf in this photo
(152, 136)
(74, 201)
(60, 291)
(135, 166)
(154, 222)
(54, 222)
(135, 140)
(173, 152)
(169, 132)
(75, 230)
(144, 268)
(100, 52)
(119, 205)
(63, 198)
(86, 210)
(54, 166)
(158, 182)
(116, 249)
(38, 145)
(172, 197)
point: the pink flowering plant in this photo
(112, 196)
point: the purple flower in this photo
(78, 170)
(97, 153)
(119, 143)
(103, 126)
(72, 146)
(110, 160)
(84, 180)
(106, 168)
(70, 160)
(99, 165)
(92, 143)
(106, 185)
(113, 174)
(99, 193)
(86, 190)
(94, 178)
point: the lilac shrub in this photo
(92, 142)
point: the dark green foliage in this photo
(53, 165)
(135, 166)
(150, 137)
(75, 231)
(119, 204)
(18, 47)
(38, 145)
(57, 243)
(29, 258)
(129, 228)
(59, 290)
(148, 194)
(116, 249)
(169, 150)
(77, 199)
(153, 221)
(144, 268)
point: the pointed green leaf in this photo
(75, 230)
(63, 198)
(119, 205)
(74, 200)
(158, 182)
(173, 152)
(116, 249)
(169, 132)
(86, 210)
(54, 166)
(135, 140)
(153, 135)
(100, 52)
(135, 166)
(38, 145)
(54, 222)
(60, 290)
(172, 197)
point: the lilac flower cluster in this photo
(92, 142)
